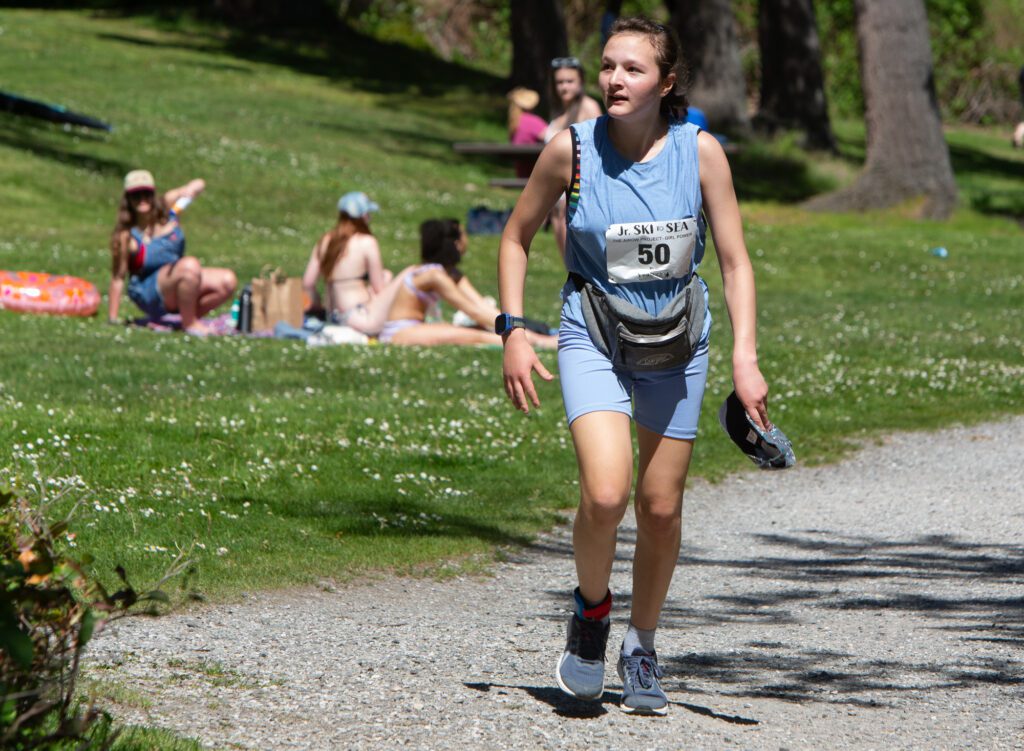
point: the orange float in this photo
(31, 292)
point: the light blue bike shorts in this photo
(666, 402)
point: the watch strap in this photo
(505, 322)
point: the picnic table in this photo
(493, 148)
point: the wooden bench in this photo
(506, 150)
(508, 182)
(492, 148)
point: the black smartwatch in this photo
(505, 322)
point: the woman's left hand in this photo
(752, 391)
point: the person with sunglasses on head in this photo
(359, 291)
(634, 334)
(572, 105)
(148, 246)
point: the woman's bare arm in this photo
(374, 265)
(723, 213)
(192, 189)
(311, 275)
(473, 294)
(438, 281)
(549, 179)
(118, 272)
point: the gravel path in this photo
(874, 604)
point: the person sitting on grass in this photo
(148, 246)
(442, 244)
(359, 290)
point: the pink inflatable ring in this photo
(28, 292)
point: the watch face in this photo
(506, 322)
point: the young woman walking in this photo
(639, 183)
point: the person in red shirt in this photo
(523, 125)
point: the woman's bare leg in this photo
(371, 317)
(216, 286)
(604, 452)
(432, 334)
(179, 285)
(663, 465)
(192, 291)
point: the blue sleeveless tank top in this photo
(609, 189)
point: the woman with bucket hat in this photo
(523, 125)
(148, 247)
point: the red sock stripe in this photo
(599, 611)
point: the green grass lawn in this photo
(276, 464)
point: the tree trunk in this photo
(707, 30)
(538, 36)
(792, 85)
(907, 155)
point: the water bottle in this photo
(245, 310)
(234, 311)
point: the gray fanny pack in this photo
(635, 340)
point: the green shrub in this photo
(50, 607)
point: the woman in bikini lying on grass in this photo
(442, 244)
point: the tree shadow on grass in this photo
(979, 162)
(387, 516)
(1006, 199)
(197, 47)
(334, 51)
(403, 141)
(761, 176)
(43, 139)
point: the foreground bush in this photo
(50, 607)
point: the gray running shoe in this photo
(641, 692)
(580, 670)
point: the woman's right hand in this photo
(519, 363)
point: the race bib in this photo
(646, 251)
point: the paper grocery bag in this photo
(276, 297)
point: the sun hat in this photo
(139, 179)
(524, 98)
(356, 204)
(768, 449)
